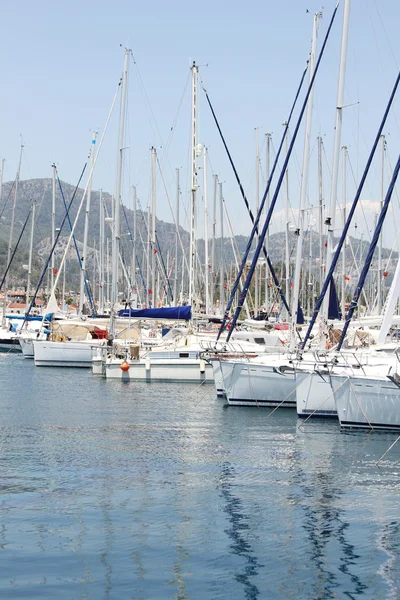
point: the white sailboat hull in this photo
(259, 385)
(168, 370)
(315, 395)
(64, 354)
(369, 403)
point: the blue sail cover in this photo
(334, 311)
(176, 313)
(300, 315)
(25, 317)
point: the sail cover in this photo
(176, 313)
(334, 311)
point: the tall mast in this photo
(148, 270)
(1, 177)
(193, 207)
(53, 223)
(86, 230)
(117, 202)
(108, 270)
(152, 249)
(344, 200)
(101, 256)
(330, 219)
(11, 232)
(63, 287)
(320, 214)
(28, 283)
(380, 272)
(304, 183)
(221, 282)
(206, 267)
(287, 225)
(267, 176)
(134, 255)
(214, 224)
(257, 278)
(176, 236)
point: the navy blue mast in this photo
(370, 254)
(350, 216)
(276, 193)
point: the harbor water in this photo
(153, 491)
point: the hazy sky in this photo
(61, 63)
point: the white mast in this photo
(117, 202)
(11, 233)
(207, 291)
(304, 183)
(148, 270)
(86, 230)
(390, 306)
(1, 177)
(176, 237)
(321, 218)
(214, 224)
(53, 223)
(380, 272)
(257, 277)
(344, 199)
(101, 255)
(108, 270)
(63, 287)
(287, 226)
(152, 248)
(221, 282)
(134, 257)
(267, 176)
(330, 219)
(193, 207)
(28, 283)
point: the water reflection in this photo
(240, 545)
(388, 541)
(327, 527)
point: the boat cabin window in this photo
(259, 340)
(183, 354)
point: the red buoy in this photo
(125, 366)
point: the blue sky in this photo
(62, 61)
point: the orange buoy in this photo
(125, 366)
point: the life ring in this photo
(60, 338)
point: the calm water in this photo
(117, 491)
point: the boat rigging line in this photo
(371, 250)
(76, 248)
(350, 216)
(15, 249)
(53, 247)
(255, 222)
(279, 183)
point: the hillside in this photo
(40, 191)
